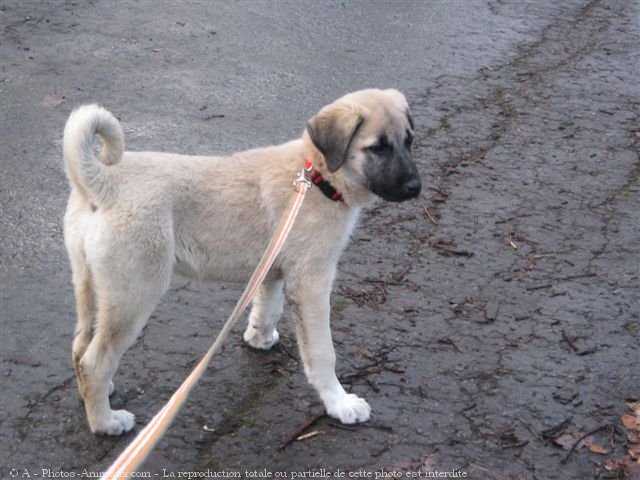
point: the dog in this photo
(135, 218)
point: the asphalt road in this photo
(501, 303)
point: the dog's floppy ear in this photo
(332, 131)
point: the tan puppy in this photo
(135, 218)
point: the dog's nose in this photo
(412, 187)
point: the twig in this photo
(362, 372)
(486, 470)
(451, 251)
(300, 430)
(439, 190)
(530, 428)
(522, 238)
(105, 451)
(554, 431)
(378, 426)
(286, 350)
(372, 298)
(389, 446)
(383, 292)
(587, 351)
(433, 220)
(400, 277)
(400, 219)
(342, 427)
(373, 385)
(470, 407)
(394, 279)
(515, 445)
(448, 341)
(308, 435)
(595, 430)
(569, 341)
(562, 279)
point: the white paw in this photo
(350, 409)
(116, 423)
(255, 339)
(111, 388)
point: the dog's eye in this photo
(381, 147)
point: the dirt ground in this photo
(491, 324)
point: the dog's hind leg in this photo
(266, 311)
(85, 307)
(85, 312)
(122, 311)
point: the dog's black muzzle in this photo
(396, 179)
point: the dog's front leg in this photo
(309, 300)
(261, 330)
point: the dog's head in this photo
(365, 138)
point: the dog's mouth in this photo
(393, 177)
(398, 192)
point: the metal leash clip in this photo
(302, 176)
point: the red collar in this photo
(318, 180)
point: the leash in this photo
(131, 458)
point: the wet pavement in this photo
(491, 323)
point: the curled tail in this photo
(86, 172)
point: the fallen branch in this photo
(300, 430)
(587, 351)
(433, 220)
(570, 341)
(400, 277)
(448, 247)
(530, 428)
(308, 435)
(342, 427)
(363, 372)
(540, 287)
(595, 430)
(372, 298)
(448, 341)
(389, 446)
(515, 445)
(553, 432)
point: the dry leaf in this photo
(439, 198)
(624, 466)
(429, 463)
(367, 353)
(401, 467)
(51, 101)
(633, 437)
(633, 471)
(612, 465)
(634, 451)
(630, 421)
(635, 406)
(567, 440)
(595, 448)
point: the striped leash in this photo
(131, 458)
